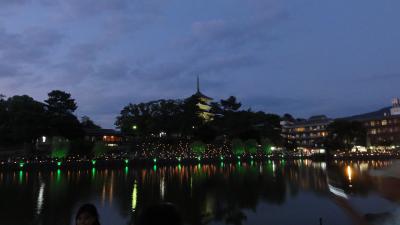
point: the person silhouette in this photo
(87, 215)
(161, 214)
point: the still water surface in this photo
(271, 192)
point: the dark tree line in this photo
(179, 119)
(344, 135)
(24, 120)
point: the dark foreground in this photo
(269, 192)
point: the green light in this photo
(58, 175)
(93, 172)
(20, 176)
(126, 161)
(179, 159)
(21, 164)
(221, 164)
(199, 165)
(251, 157)
(93, 162)
(155, 167)
(126, 169)
(251, 162)
(58, 163)
(179, 167)
(222, 158)
(238, 157)
(155, 160)
(239, 163)
(198, 158)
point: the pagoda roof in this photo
(198, 94)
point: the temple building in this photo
(203, 104)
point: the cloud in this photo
(31, 46)
(112, 70)
(7, 70)
(5, 3)
(108, 53)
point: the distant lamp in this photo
(134, 127)
(44, 139)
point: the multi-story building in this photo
(309, 133)
(203, 104)
(383, 126)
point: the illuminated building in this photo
(383, 126)
(309, 133)
(109, 136)
(203, 104)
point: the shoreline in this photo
(54, 164)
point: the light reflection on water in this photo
(218, 193)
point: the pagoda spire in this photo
(198, 84)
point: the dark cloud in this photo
(112, 70)
(7, 70)
(5, 3)
(33, 45)
(85, 52)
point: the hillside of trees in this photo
(24, 121)
(179, 119)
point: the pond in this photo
(270, 192)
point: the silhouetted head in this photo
(160, 214)
(87, 215)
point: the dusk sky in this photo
(304, 57)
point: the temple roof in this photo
(198, 94)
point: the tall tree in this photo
(60, 111)
(344, 135)
(148, 118)
(4, 119)
(288, 117)
(230, 104)
(26, 119)
(61, 102)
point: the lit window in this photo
(373, 131)
(300, 129)
(384, 122)
(372, 123)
